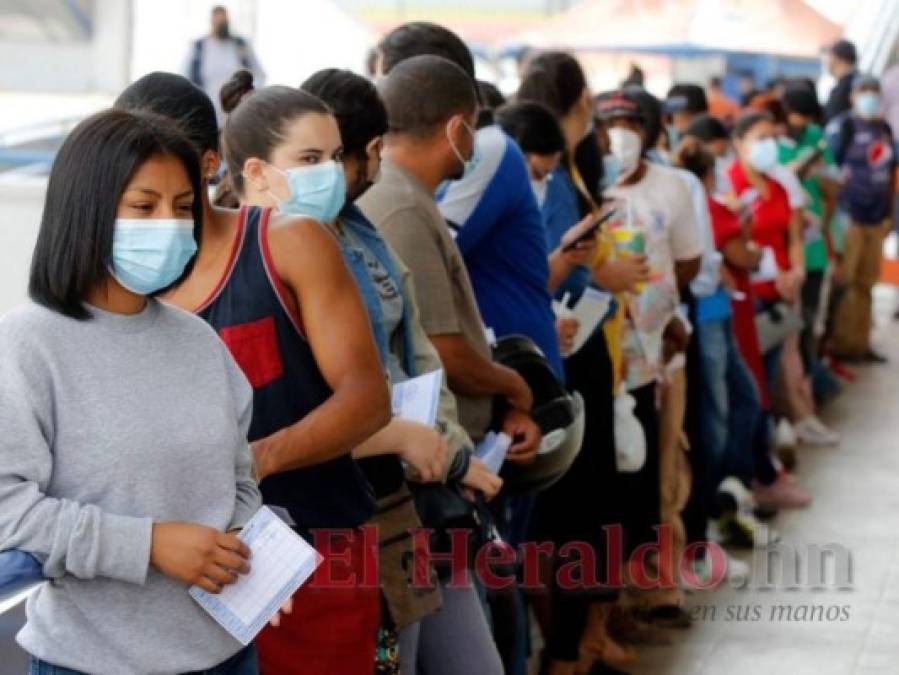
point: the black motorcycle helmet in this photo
(558, 413)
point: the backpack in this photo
(845, 133)
(197, 58)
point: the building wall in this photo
(20, 217)
(100, 64)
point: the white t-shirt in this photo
(661, 207)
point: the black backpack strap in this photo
(196, 60)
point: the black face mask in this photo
(222, 30)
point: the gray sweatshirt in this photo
(106, 426)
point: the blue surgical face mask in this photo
(867, 104)
(611, 170)
(151, 254)
(468, 165)
(317, 191)
(763, 155)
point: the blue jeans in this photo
(730, 403)
(242, 663)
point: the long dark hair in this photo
(554, 79)
(73, 253)
(257, 119)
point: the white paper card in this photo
(492, 450)
(416, 399)
(280, 563)
(589, 311)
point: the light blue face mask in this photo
(611, 170)
(867, 104)
(763, 155)
(468, 165)
(317, 191)
(151, 254)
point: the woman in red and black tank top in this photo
(279, 294)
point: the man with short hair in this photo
(431, 139)
(213, 59)
(497, 224)
(841, 61)
(432, 108)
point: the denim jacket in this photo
(352, 219)
(416, 352)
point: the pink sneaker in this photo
(783, 493)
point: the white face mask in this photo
(626, 145)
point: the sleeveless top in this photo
(255, 316)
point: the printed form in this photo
(280, 563)
(416, 399)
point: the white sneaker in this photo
(785, 435)
(743, 498)
(812, 431)
(824, 429)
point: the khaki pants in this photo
(674, 486)
(863, 250)
(674, 472)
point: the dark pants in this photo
(696, 513)
(585, 499)
(242, 663)
(811, 302)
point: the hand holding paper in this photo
(281, 562)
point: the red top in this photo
(726, 226)
(770, 223)
(725, 223)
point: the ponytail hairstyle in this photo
(554, 79)
(258, 118)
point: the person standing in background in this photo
(841, 62)
(721, 105)
(213, 59)
(862, 145)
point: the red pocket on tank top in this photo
(255, 348)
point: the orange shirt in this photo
(721, 106)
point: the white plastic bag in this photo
(630, 440)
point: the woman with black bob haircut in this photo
(123, 457)
(270, 279)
